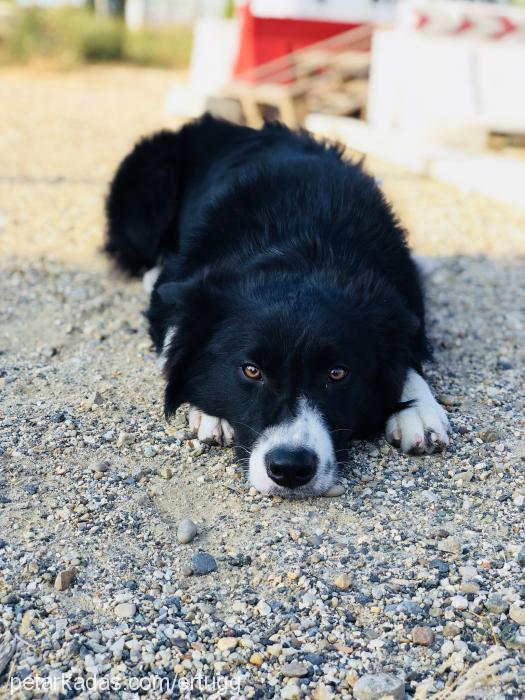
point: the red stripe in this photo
(463, 26)
(507, 27)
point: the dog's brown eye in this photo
(252, 372)
(337, 374)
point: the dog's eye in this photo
(337, 374)
(252, 372)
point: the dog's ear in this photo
(384, 316)
(393, 320)
(188, 296)
(198, 307)
(383, 311)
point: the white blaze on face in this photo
(307, 430)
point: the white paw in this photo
(422, 428)
(210, 429)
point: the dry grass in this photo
(66, 37)
(487, 673)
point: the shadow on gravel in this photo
(92, 478)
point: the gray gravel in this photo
(417, 570)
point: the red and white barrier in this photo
(494, 22)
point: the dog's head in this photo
(296, 366)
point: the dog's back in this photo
(167, 180)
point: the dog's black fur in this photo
(275, 251)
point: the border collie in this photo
(285, 306)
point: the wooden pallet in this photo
(329, 77)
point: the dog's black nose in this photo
(291, 466)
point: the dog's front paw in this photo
(420, 429)
(423, 427)
(210, 429)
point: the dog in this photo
(285, 308)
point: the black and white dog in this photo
(287, 310)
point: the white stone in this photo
(517, 613)
(186, 531)
(459, 602)
(375, 686)
(290, 692)
(334, 491)
(125, 610)
(263, 608)
(227, 643)
(467, 573)
(447, 648)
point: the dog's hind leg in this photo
(423, 427)
(149, 188)
(143, 203)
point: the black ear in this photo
(384, 315)
(401, 323)
(199, 309)
(393, 321)
(178, 375)
(194, 296)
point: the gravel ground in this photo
(416, 571)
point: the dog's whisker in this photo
(241, 447)
(244, 425)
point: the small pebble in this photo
(520, 557)
(290, 692)
(186, 531)
(343, 582)
(96, 399)
(125, 610)
(376, 686)
(322, 692)
(334, 491)
(125, 439)
(227, 643)
(517, 613)
(256, 659)
(459, 602)
(467, 572)
(469, 587)
(490, 435)
(263, 608)
(203, 563)
(447, 648)
(294, 669)
(450, 545)
(422, 635)
(65, 578)
(451, 630)
(496, 605)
